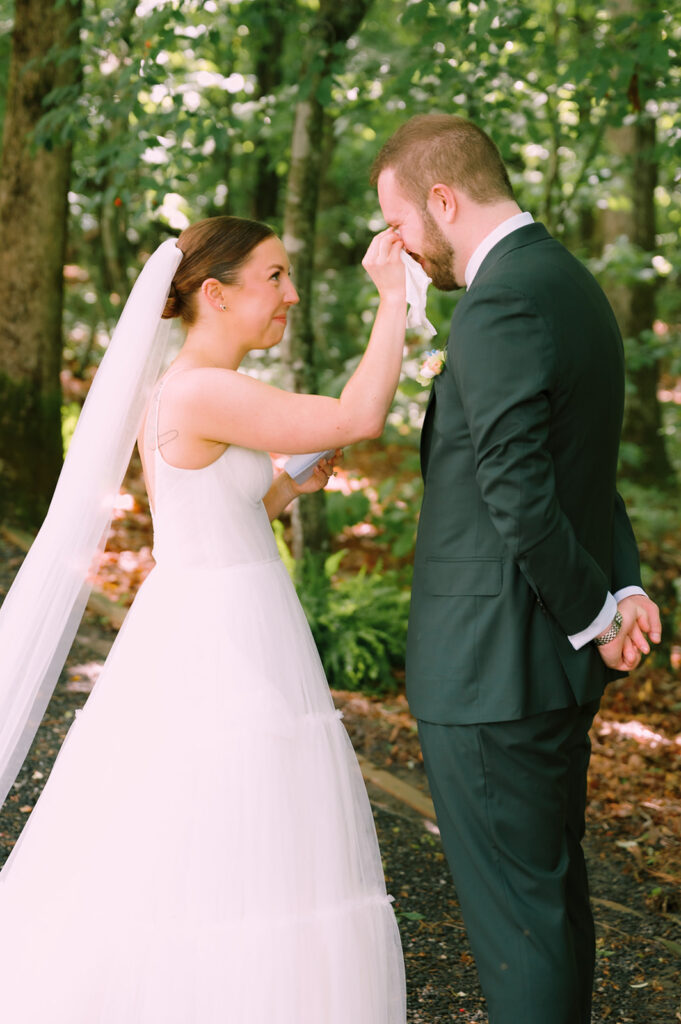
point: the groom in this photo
(526, 596)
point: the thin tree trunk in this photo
(634, 302)
(634, 306)
(335, 24)
(33, 214)
(115, 248)
(551, 202)
(269, 73)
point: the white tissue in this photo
(417, 288)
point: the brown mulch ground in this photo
(633, 850)
(633, 843)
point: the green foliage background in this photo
(187, 108)
(173, 124)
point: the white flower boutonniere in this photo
(432, 366)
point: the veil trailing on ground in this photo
(41, 613)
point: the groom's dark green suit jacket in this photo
(522, 532)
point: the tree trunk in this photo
(33, 213)
(269, 73)
(634, 305)
(113, 244)
(633, 217)
(335, 24)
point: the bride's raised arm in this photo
(222, 405)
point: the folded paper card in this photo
(300, 467)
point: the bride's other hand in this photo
(320, 477)
(284, 488)
(383, 265)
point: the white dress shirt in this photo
(607, 612)
(518, 220)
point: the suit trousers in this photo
(510, 799)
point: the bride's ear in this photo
(212, 292)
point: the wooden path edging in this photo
(402, 791)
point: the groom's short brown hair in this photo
(432, 148)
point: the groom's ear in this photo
(441, 202)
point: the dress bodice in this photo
(214, 516)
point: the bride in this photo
(204, 851)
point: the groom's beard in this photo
(439, 256)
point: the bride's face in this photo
(259, 302)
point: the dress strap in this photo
(158, 406)
(156, 442)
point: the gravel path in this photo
(639, 947)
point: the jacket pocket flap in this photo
(461, 577)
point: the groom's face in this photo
(422, 236)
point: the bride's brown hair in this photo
(216, 247)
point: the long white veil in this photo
(41, 613)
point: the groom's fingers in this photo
(630, 656)
(642, 614)
(652, 625)
(638, 638)
(643, 619)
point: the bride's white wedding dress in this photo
(204, 851)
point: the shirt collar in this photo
(518, 220)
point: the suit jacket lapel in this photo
(427, 430)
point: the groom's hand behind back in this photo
(640, 627)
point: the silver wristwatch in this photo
(610, 633)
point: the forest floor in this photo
(633, 842)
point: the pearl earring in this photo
(223, 308)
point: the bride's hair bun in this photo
(216, 247)
(173, 306)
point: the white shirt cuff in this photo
(600, 623)
(627, 592)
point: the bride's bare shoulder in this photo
(193, 380)
(204, 387)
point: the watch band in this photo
(611, 632)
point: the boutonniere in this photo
(432, 366)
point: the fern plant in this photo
(359, 622)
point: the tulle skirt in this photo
(204, 850)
